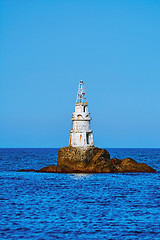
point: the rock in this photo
(92, 160)
(48, 169)
(26, 170)
(130, 165)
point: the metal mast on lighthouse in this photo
(81, 135)
(81, 96)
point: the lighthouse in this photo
(81, 135)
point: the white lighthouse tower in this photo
(81, 135)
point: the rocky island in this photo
(81, 156)
(95, 160)
(92, 160)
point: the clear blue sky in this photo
(47, 47)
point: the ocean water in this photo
(77, 206)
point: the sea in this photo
(48, 206)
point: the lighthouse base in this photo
(81, 139)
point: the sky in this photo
(48, 46)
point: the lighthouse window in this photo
(87, 137)
(84, 108)
(79, 116)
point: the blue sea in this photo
(77, 206)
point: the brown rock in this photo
(130, 165)
(26, 170)
(48, 169)
(90, 160)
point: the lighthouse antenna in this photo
(81, 95)
(81, 92)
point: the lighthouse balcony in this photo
(82, 119)
(81, 104)
(81, 131)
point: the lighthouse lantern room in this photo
(81, 135)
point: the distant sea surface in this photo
(77, 206)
